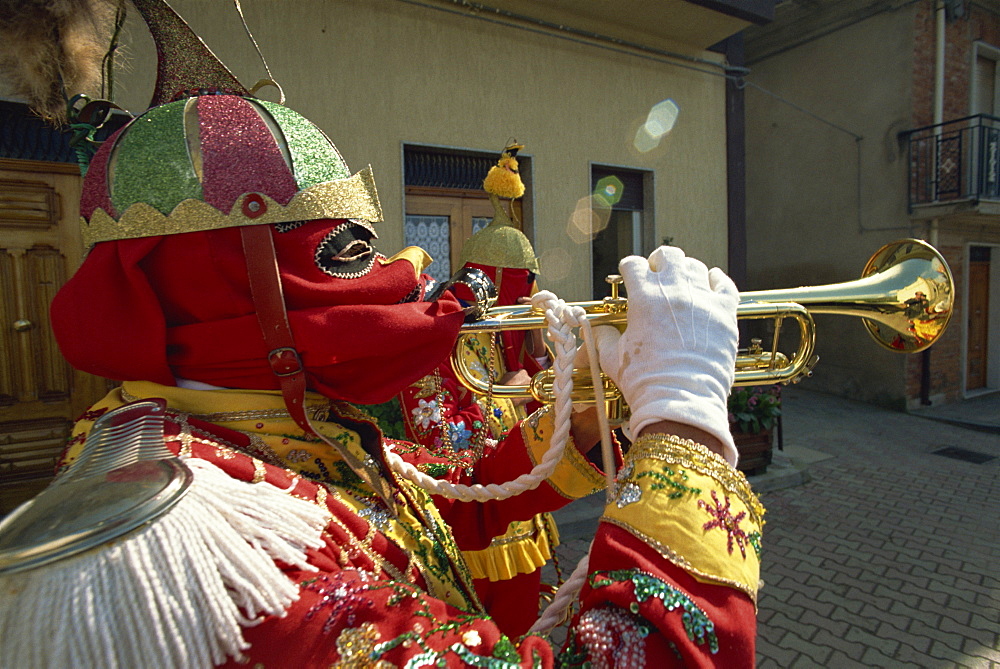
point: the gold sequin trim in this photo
(364, 545)
(695, 456)
(320, 495)
(126, 395)
(353, 197)
(236, 416)
(259, 470)
(666, 552)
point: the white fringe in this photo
(172, 594)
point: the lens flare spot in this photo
(660, 121)
(611, 189)
(589, 217)
(555, 264)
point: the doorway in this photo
(445, 203)
(982, 344)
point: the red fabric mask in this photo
(157, 308)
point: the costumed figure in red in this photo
(457, 427)
(228, 503)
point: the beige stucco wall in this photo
(380, 73)
(808, 221)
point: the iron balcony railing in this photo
(956, 160)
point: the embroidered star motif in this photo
(723, 517)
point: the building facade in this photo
(621, 108)
(868, 122)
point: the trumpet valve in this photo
(614, 303)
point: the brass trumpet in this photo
(904, 298)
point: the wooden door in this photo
(978, 330)
(40, 393)
(452, 216)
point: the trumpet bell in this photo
(904, 297)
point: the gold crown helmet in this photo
(214, 156)
(500, 244)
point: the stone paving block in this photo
(990, 622)
(871, 641)
(815, 652)
(840, 661)
(840, 601)
(823, 621)
(772, 592)
(967, 571)
(881, 602)
(952, 592)
(938, 638)
(839, 644)
(893, 620)
(927, 617)
(773, 656)
(979, 634)
(975, 649)
(906, 639)
(988, 599)
(941, 651)
(916, 656)
(875, 658)
(811, 604)
(961, 616)
(803, 589)
(849, 568)
(913, 595)
(790, 623)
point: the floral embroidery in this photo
(697, 624)
(426, 413)
(667, 478)
(724, 518)
(356, 646)
(459, 435)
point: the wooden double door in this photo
(40, 394)
(439, 220)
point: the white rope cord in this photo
(555, 613)
(561, 318)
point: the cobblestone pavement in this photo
(878, 551)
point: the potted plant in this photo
(753, 413)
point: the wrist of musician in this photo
(684, 431)
(707, 418)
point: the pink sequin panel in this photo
(239, 154)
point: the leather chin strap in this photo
(284, 359)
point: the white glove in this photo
(677, 358)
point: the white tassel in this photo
(175, 593)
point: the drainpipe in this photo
(939, 53)
(939, 44)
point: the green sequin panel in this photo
(697, 624)
(151, 162)
(315, 159)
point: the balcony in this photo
(954, 167)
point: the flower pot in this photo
(755, 451)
